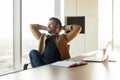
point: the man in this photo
(52, 47)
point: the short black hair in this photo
(57, 21)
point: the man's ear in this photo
(59, 28)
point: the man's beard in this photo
(50, 32)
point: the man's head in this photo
(54, 26)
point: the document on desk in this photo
(68, 64)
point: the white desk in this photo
(91, 71)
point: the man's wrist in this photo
(64, 27)
(67, 28)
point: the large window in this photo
(6, 36)
(109, 25)
(27, 12)
(116, 29)
(36, 12)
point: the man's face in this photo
(52, 26)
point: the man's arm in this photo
(35, 30)
(74, 30)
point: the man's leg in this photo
(36, 59)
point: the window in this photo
(6, 36)
(116, 18)
(109, 17)
(39, 12)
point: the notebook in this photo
(68, 64)
(102, 58)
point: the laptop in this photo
(102, 58)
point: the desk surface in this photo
(91, 71)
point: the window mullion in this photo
(17, 52)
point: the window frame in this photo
(17, 35)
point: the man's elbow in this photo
(77, 27)
(31, 25)
(80, 27)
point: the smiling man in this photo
(53, 46)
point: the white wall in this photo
(89, 41)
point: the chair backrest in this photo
(69, 48)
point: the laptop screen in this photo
(107, 50)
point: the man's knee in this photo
(33, 52)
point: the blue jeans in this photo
(36, 59)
